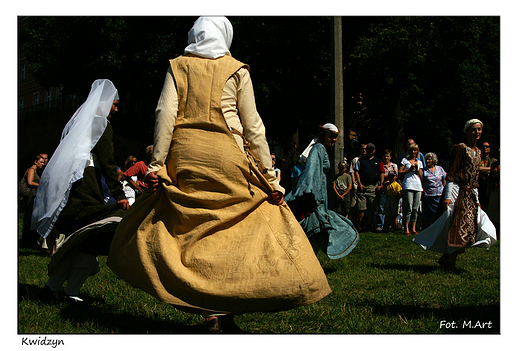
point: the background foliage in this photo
(425, 76)
(419, 77)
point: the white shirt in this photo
(411, 180)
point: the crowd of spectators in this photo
(378, 194)
(384, 193)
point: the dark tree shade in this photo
(423, 77)
(419, 77)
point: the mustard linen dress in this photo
(210, 238)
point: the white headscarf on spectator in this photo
(210, 37)
(72, 155)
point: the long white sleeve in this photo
(245, 116)
(165, 116)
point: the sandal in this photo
(224, 324)
(213, 325)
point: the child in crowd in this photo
(342, 187)
(392, 189)
(277, 170)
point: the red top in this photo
(139, 170)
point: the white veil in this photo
(210, 37)
(72, 155)
(305, 154)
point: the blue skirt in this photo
(430, 204)
(337, 234)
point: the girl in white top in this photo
(411, 168)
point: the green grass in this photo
(387, 285)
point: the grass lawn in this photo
(387, 285)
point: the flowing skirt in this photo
(210, 239)
(336, 234)
(435, 237)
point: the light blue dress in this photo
(337, 235)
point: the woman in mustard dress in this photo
(214, 236)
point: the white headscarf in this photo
(210, 37)
(72, 155)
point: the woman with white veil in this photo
(69, 209)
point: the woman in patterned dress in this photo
(463, 224)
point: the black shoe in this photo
(443, 261)
(47, 295)
(229, 326)
(447, 265)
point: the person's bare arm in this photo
(30, 178)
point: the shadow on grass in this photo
(27, 292)
(328, 270)
(423, 269)
(33, 251)
(107, 316)
(126, 323)
(468, 319)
